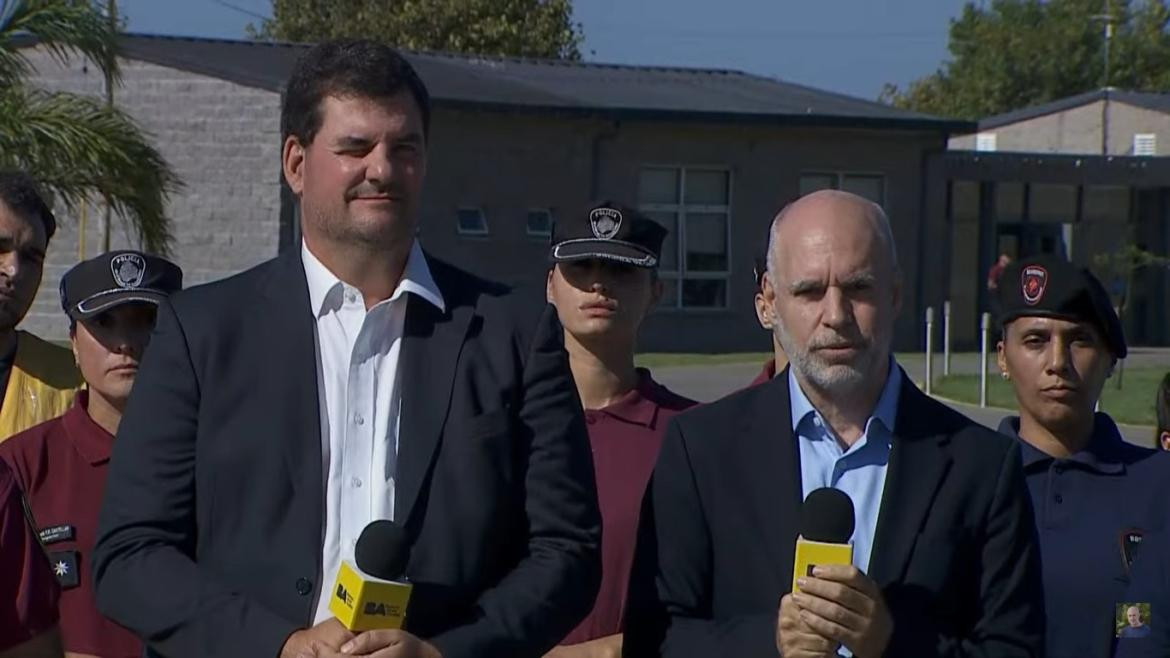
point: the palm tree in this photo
(78, 147)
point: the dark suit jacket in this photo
(954, 552)
(210, 533)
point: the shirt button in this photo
(304, 586)
(359, 419)
(350, 297)
(356, 482)
(1059, 469)
(1059, 499)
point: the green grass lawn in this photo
(1133, 404)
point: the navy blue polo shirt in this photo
(1086, 506)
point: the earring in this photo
(1005, 375)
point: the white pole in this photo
(929, 348)
(984, 332)
(947, 338)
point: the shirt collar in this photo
(1103, 454)
(640, 405)
(91, 440)
(885, 411)
(416, 278)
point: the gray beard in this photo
(837, 379)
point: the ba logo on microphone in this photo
(380, 609)
(344, 596)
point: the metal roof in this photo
(1146, 100)
(552, 85)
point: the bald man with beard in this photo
(944, 553)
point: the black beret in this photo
(1050, 286)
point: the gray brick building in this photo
(515, 144)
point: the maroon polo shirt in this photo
(765, 375)
(28, 591)
(61, 465)
(625, 437)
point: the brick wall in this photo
(223, 139)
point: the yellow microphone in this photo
(826, 525)
(371, 592)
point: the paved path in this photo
(711, 382)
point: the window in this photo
(694, 204)
(471, 221)
(869, 186)
(985, 142)
(1009, 202)
(1051, 202)
(539, 223)
(1145, 144)
(810, 183)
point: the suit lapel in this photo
(431, 345)
(770, 463)
(916, 469)
(289, 331)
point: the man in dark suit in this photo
(280, 411)
(944, 559)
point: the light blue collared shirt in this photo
(859, 471)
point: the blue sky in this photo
(849, 46)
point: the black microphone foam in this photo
(382, 550)
(827, 516)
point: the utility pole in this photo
(112, 15)
(1106, 18)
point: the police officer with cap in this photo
(1095, 496)
(603, 283)
(61, 465)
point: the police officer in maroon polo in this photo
(28, 592)
(603, 283)
(61, 465)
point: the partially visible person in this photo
(1095, 496)
(995, 272)
(1134, 627)
(779, 360)
(111, 301)
(28, 591)
(1162, 412)
(37, 379)
(603, 283)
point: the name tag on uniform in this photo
(1131, 542)
(56, 533)
(65, 566)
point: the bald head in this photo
(836, 211)
(834, 290)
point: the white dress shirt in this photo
(360, 400)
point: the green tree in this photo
(1017, 53)
(1117, 270)
(78, 147)
(521, 28)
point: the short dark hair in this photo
(20, 193)
(346, 68)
